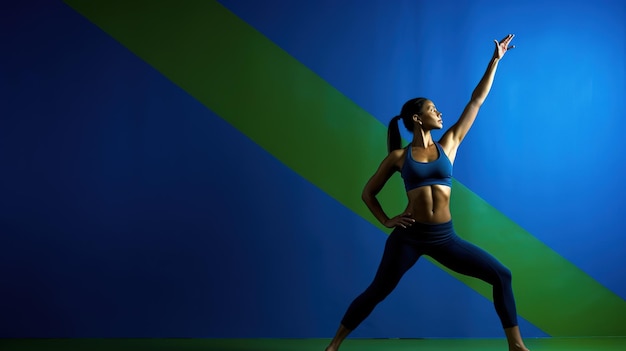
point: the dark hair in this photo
(411, 107)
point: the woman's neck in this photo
(422, 139)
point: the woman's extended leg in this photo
(468, 259)
(397, 258)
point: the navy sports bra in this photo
(417, 174)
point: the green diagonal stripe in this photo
(323, 136)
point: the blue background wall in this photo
(128, 209)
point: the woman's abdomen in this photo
(430, 204)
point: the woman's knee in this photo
(504, 275)
(376, 293)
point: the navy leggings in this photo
(439, 241)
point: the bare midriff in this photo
(430, 204)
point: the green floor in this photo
(543, 344)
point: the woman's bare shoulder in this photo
(396, 158)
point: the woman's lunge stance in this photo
(425, 227)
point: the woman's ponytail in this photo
(410, 108)
(394, 140)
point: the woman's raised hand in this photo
(503, 46)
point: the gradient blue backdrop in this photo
(127, 209)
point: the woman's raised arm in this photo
(453, 136)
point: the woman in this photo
(425, 227)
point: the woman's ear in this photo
(416, 118)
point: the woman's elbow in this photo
(367, 195)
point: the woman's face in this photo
(429, 117)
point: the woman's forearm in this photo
(374, 206)
(484, 86)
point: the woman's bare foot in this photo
(341, 334)
(514, 338)
(518, 347)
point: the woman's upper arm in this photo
(385, 170)
(459, 130)
(453, 137)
